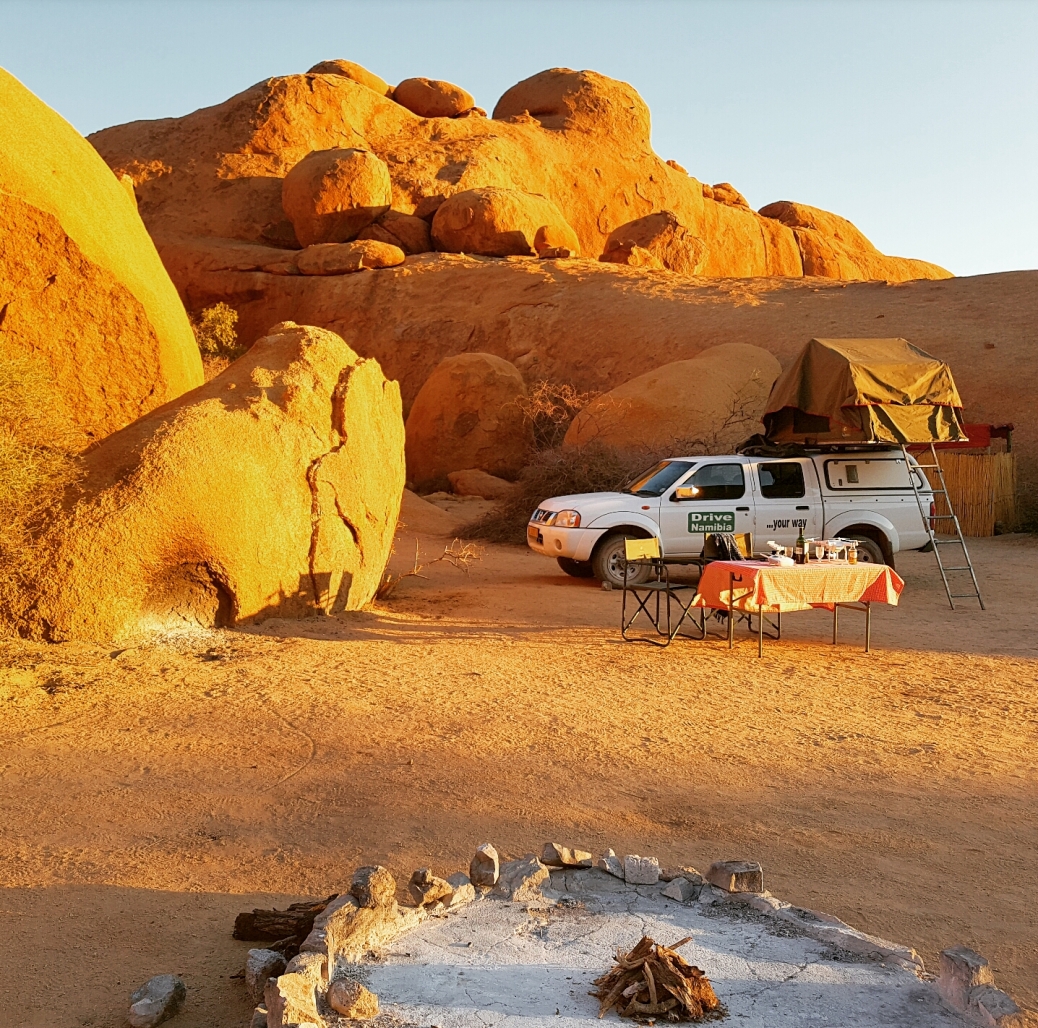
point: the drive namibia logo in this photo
(711, 521)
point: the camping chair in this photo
(642, 553)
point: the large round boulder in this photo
(704, 405)
(82, 289)
(663, 236)
(353, 72)
(331, 195)
(433, 98)
(561, 98)
(271, 491)
(466, 416)
(499, 222)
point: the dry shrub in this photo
(551, 408)
(556, 472)
(38, 461)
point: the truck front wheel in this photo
(607, 562)
(868, 550)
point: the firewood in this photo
(652, 981)
(295, 921)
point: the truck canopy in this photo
(864, 391)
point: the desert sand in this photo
(151, 793)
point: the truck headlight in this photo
(566, 519)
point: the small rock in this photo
(425, 888)
(352, 1000)
(259, 1017)
(641, 870)
(157, 1000)
(555, 855)
(373, 886)
(261, 964)
(962, 969)
(552, 253)
(485, 867)
(609, 861)
(681, 889)
(668, 874)
(474, 482)
(464, 891)
(736, 875)
(710, 896)
(344, 258)
(521, 880)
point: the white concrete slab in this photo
(495, 963)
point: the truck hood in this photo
(594, 505)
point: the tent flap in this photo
(864, 390)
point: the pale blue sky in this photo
(917, 119)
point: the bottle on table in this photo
(800, 550)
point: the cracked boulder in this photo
(272, 490)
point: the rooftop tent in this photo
(864, 391)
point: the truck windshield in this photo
(656, 481)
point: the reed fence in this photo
(982, 488)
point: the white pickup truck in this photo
(862, 495)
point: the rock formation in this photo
(82, 287)
(272, 490)
(501, 223)
(332, 195)
(709, 403)
(465, 416)
(433, 98)
(576, 138)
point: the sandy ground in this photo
(150, 793)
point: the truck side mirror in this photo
(685, 492)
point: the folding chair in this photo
(646, 552)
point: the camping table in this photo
(755, 587)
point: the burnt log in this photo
(294, 922)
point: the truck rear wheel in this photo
(607, 562)
(576, 568)
(868, 550)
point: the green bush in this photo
(215, 332)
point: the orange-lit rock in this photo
(831, 247)
(709, 403)
(465, 416)
(272, 490)
(330, 195)
(354, 72)
(433, 98)
(669, 242)
(82, 288)
(500, 223)
(411, 234)
(577, 138)
(343, 258)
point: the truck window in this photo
(781, 480)
(718, 482)
(658, 479)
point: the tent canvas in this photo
(864, 391)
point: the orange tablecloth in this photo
(816, 584)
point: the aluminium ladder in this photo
(928, 524)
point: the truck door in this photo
(788, 499)
(716, 499)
